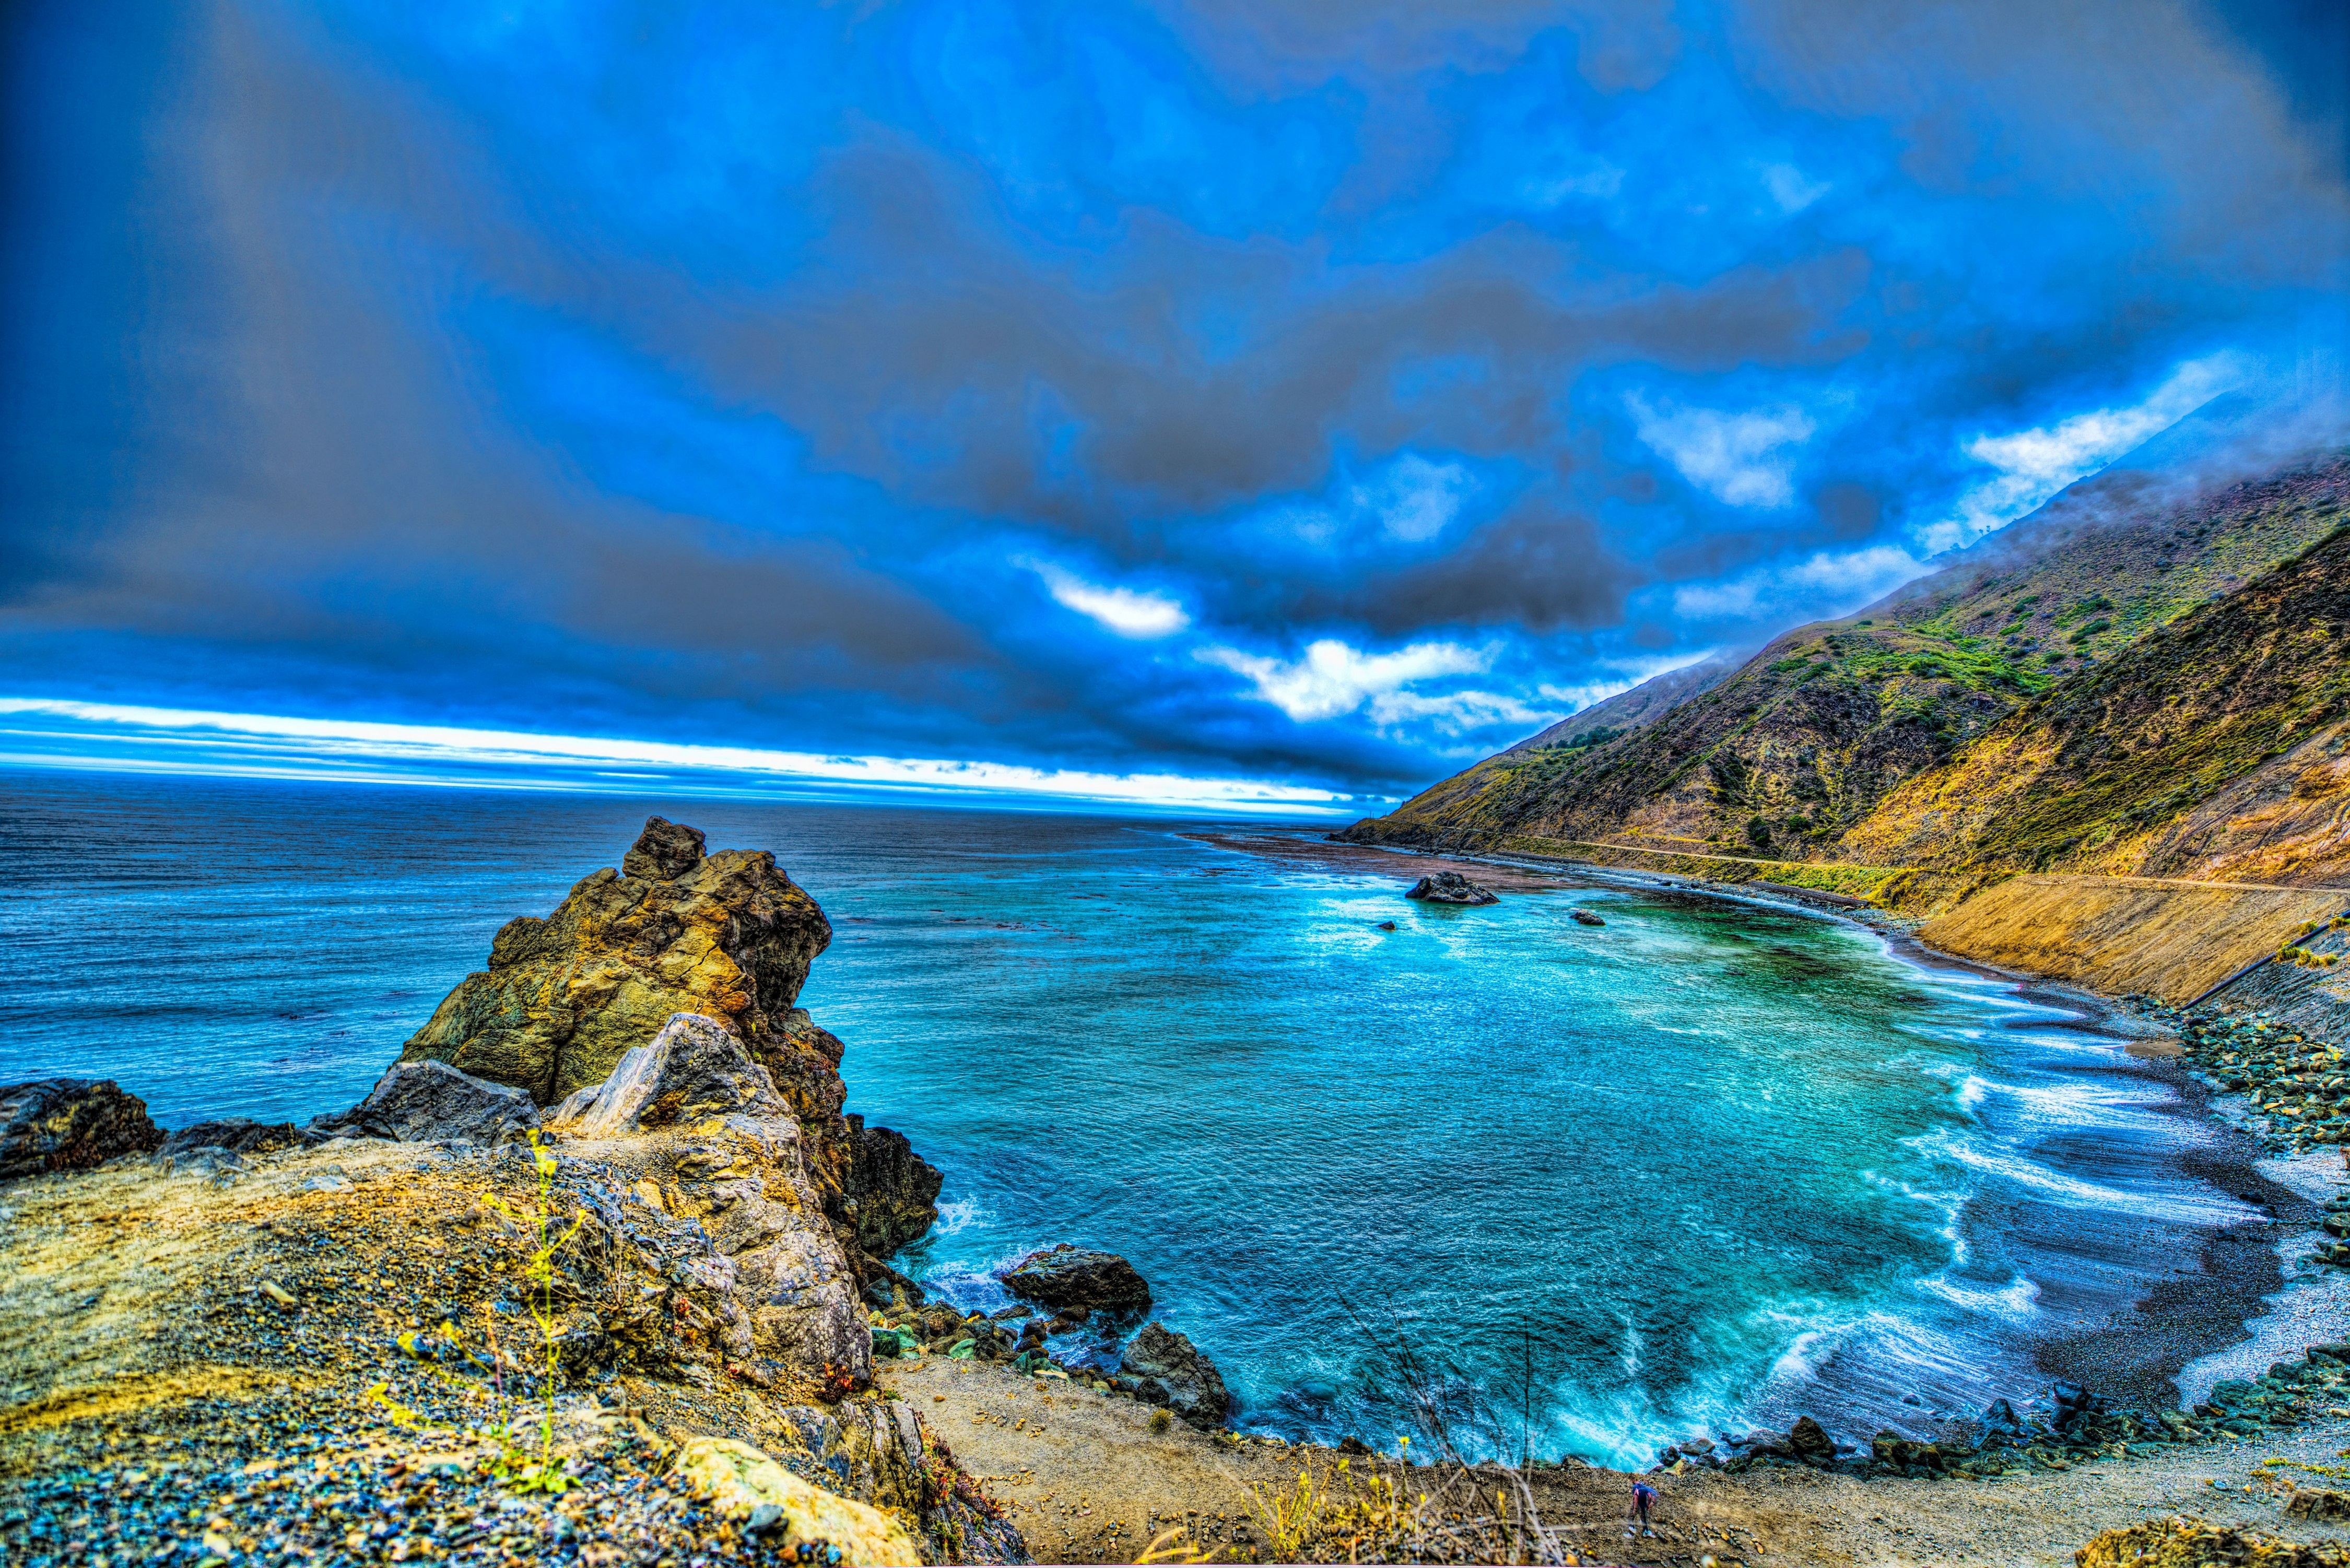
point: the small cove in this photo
(1711, 1164)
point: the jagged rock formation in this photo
(1078, 1279)
(2192, 1544)
(1173, 1372)
(727, 936)
(71, 1124)
(702, 1191)
(1451, 887)
(892, 1197)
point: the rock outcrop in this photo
(1173, 1372)
(1076, 1279)
(725, 936)
(71, 1124)
(706, 1216)
(892, 1195)
(728, 935)
(1451, 888)
(432, 1102)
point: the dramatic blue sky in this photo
(1305, 393)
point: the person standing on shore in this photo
(1644, 1497)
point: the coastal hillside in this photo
(2209, 749)
(1799, 747)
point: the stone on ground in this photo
(740, 1482)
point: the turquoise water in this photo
(1711, 1164)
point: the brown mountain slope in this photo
(1801, 745)
(2210, 749)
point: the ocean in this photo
(1714, 1163)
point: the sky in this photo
(1240, 403)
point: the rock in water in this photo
(1585, 918)
(1809, 1441)
(1451, 888)
(892, 1197)
(1066, 1277)
(432, 1102)
(1192, 1387)
(71, 1124)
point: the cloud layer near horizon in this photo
(1292, 391)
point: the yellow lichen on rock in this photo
(737, 1479)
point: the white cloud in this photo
(1125, 611)
(1743, 458)
(1822, 584)
(261, 745)
(1334, 679)
(2034, 464)
(1459, 713)
(1790, 189)
(1415, 498)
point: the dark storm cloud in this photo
(829, 374)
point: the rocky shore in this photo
(597, 1273)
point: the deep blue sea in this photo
(1711, 1164)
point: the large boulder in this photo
(1451, 888)
(745, 1485)
(1174, 1374)
(71, 1124)
(694, 1069)
(891, 1199)
(432, 1102)
(1067, 1278)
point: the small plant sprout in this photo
(522, 1471)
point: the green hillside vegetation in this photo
(1798, 747)
(2090, 775)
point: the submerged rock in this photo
(432, 1102)
(71, 1124)
(1451, 888)
(1172, 1372)
(1066, 1277)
